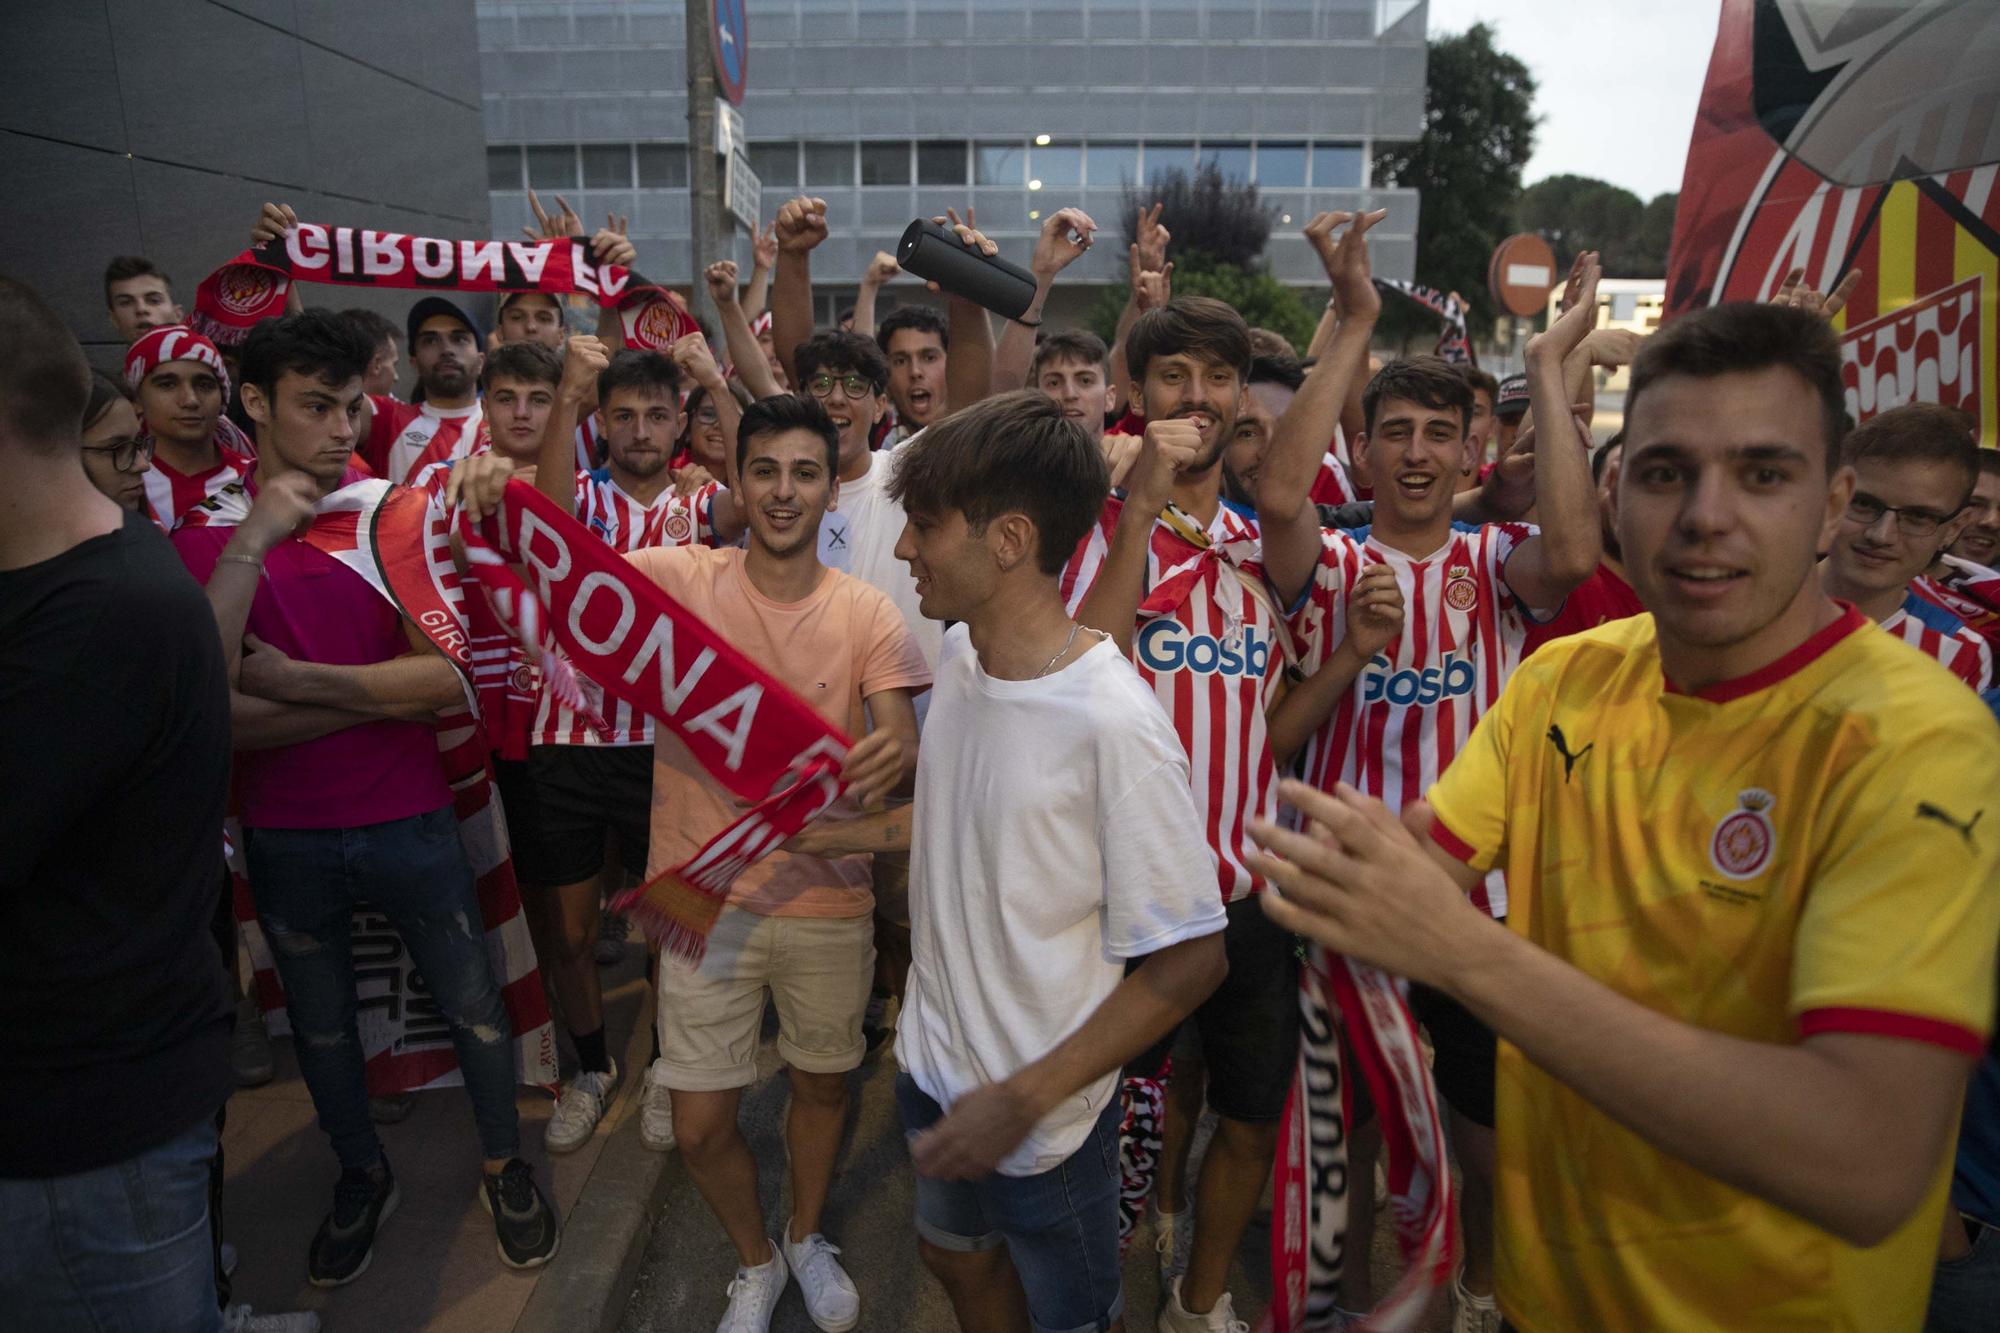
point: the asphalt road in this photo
(689, 1263)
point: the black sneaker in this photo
(362, 1202)
(523, 1219)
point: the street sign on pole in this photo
(743, 191)
(729, 136)
(730, 39)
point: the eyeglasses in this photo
(855, 387)
(1866, 510)
(706, 415)
(125, 454)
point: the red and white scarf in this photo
(1309, 1219)
(253, 286)
(751, 734)
(400, 544)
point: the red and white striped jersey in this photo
(1970, 592)
(170, 494)
(1209, 658)
(1413, 706)
(588, 443)
(624, 525)
(405, 438)
(1333, 486)
(1931, 629)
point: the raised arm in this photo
(801, 225)
(1112, 604)
(1148, 257)
(1065, 236)
(744, 353)
(763, 257)
(696, 362)
(1566, 551)
(1285, 513)
(1845, 1130)
(880, 269)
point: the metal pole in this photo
(706, 233)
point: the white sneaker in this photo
(238, 1319)
(1173, 1237)
(753, 1295)
(1177, 1318)
(831, 1300)
(1470, 1313)
(656, 1116)
(579, 1109)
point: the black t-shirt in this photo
(114, 772)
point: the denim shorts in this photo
(1060, 1227)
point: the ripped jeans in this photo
(307, 883)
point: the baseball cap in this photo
(432, 306)
(1513, 398)
(510, 297)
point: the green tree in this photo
(1479, 131)
(1219, 228)
(1576, 213)
(1656, 235)
(1263, 301)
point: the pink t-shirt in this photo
(839, 645)
(312, 607)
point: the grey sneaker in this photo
(656, 1116)
(362, 1202)
(524, 1221)
(580, 1107)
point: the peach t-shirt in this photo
(841, 644)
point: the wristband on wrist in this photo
(1027, 323)
(249, 560)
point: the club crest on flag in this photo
(1744, 838)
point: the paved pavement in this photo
(435, 1266)
(689, 1263)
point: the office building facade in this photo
(894, 109)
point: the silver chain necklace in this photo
(1074, 627)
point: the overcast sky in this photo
(1617, 80)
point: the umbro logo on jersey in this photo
(1166, 645)
(1925, 810)
(1557, 739)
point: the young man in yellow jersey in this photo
(1754, 856)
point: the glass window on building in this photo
(1173, 18)
(1336, 166)
(1112, 165)
(941, 162)
(1232, 160)
(1058, 166)
(999, 164)
(503, 168)
(607, 166)
(826, 18)
(662, 166)
(1281, 164)
(885, 163)
(829, 166)
(776, 163)
(552, 168)
(884, 18)
(1164, 157)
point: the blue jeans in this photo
(1965, 1292)
(124, 1247)
(307, 883)
(1060, 1227)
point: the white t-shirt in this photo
(859, 537)
(1055, 837)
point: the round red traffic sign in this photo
(730, 33)
(1521, 273)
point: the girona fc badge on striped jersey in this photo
(1744, 838)
(1460, 592)
(678, 527)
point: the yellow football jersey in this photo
(1801, 850)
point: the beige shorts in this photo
(817, 969)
